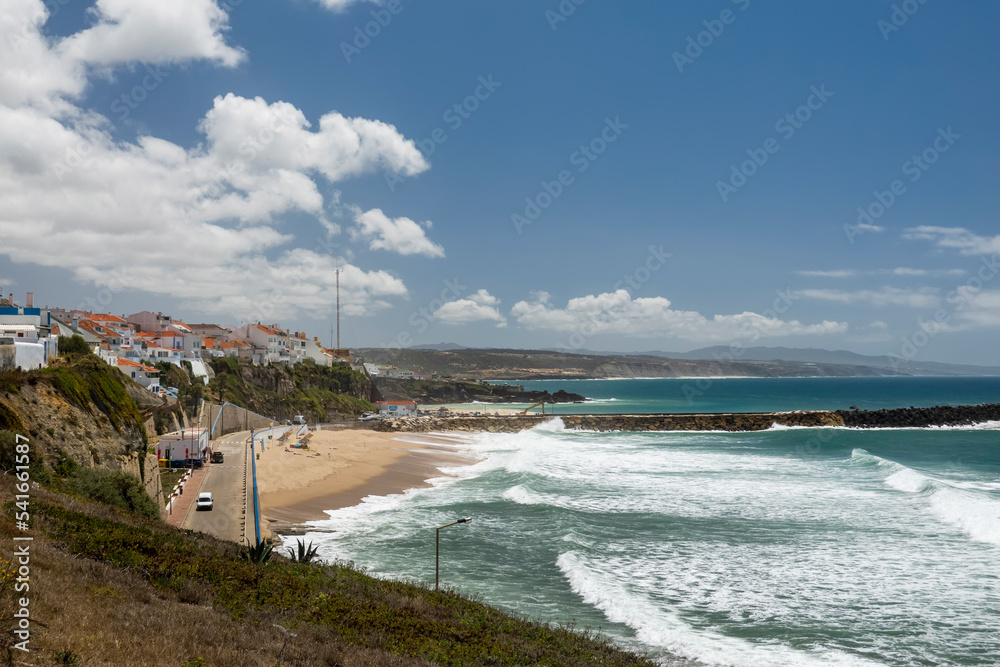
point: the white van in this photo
(298, 419)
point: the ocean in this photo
(792, 546)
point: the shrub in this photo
(116, 488)
(73, 346)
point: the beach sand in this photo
(341, 467)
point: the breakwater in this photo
(737, 421)
(939, 415)
(732, 421)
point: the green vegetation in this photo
(320, 393)
(72, 346)
(303, 553)
(258, 554)
(113, 488)
(89, 383)
(284, 613)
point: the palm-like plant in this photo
(304, 554)
(259, 554)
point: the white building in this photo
(396, 408)
(146, 376)
(188, 443)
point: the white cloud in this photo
(478, 307)
(865, 227)
(340, 5)
(845, 273)
(959, 238)
(901, 271)
(201, 224)
(400, 235)
(155, 32)
(618, 313)
(977, 307)
(925, 297)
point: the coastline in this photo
(340, 468)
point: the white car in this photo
(205, 501)
(367, 417)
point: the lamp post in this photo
(437, 548)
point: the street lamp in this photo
(437, 547)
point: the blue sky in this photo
(609, 176)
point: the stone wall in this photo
(232, 419)
(750, 421)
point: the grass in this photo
(114, 588)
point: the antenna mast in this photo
(338, 309)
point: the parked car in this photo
(367, 417)
(217, 457)
(205, 501)
(298, 419)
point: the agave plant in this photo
(258, 555)
(304, 554)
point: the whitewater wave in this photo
(961, 505)
(657, 627)
(555, 425)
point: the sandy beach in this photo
(338, 468)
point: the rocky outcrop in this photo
(942, 415)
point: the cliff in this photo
(319, 393)
(82, 409)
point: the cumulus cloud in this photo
(901, 271)
(341, 5)
(618, 313)
(202, 223)
(958, 238)
(400, 235)
(153, 31)
(925, 297)
(478, 307)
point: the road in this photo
(225, 480)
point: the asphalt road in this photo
(226, 482)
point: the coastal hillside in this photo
(110, 587)
(438, 392)
(82, 412)
(319, 393)
(491, 364)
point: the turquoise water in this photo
(761, 394)
(784, 547)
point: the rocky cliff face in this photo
(84, 411)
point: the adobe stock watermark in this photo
(748, 333)
(106, 295)
(248, 149)
(581, 158)
(631, 282)
(364, 34)
(914, 168)
(787, 126)
(17, 39)
(714, 28)
(959, 299)
(130, 101)
(899, 16)
(562, 12)
(265, 305)
(420, 319)
(454, 117)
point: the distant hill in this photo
(495, 364)
(815, 355)
(440, 347)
